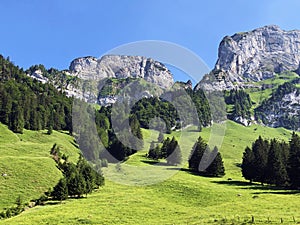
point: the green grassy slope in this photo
(183, 199)
(25, 158)
(258, 95)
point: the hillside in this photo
(256, 78)
(26, 168)
(185, 198)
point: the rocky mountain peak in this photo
(122, 66)
(255, 55)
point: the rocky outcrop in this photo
(38, 75)
(254, 56)
(121, 66)
(282, 109)
(87, 76)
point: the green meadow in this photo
(132, 193)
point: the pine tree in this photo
(171, 146)
(164, 147)
(154, 151)
(76, 185)
(175, 157)
(294, 161)
(276, 170)
(60, 191)
(216, 168)
(197, 154)
(88, 174)
(16, 122)
(260, 150)
(248, 169)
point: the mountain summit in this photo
(254, 56)
(122, 66)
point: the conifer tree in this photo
(164, 147)
(60, 191)
(16, 122)
(294, 161)
(174, 156)
(216, 168)
(260, 150)
(276, 170)
(248, 168)
(197, 154)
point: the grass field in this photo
(182, 199)
(25, 159)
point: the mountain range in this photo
(258, 62)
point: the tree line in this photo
(27, 103)
(273, 162)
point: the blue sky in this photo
(55, 32)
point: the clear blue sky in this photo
(53, 32)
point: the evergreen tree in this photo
(164, 147)
(60, 191)
(197, 154)
(88, 174)
(294, 161)
(216, 168)
(171, 147)
(248, 168)
(173, 152)
(276, 170)
(76, 185)
(154, 151)
(260, 150)
(16, 122)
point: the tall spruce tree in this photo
(16, 123)
(164, 147)
(174, 156)
(248, 168)
(260, 150)
(294, 161)
(276, 170)
(197, 154)
(216, 168)
(60, 191)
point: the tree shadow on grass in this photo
(266, 189)
(52, 203)
(195, 173)
(284, 192)
(234, 183)
(156, 163)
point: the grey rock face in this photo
(120, 66)
(38, 75)
(255, 55)
(280, 113)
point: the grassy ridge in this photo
(182, 199)
(26, 160)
